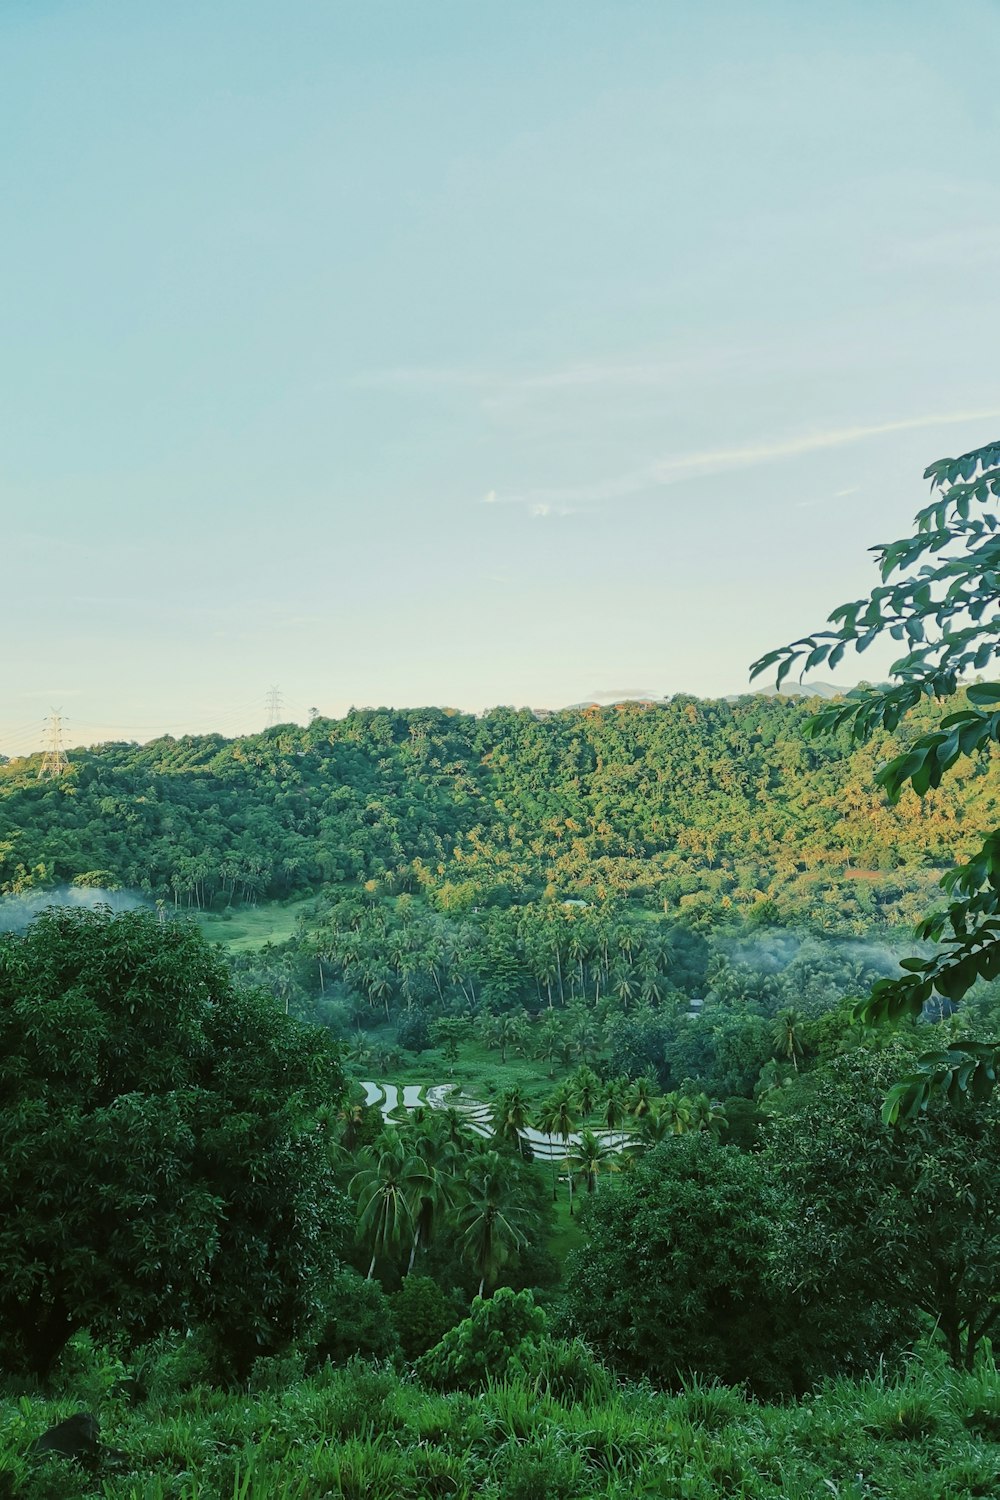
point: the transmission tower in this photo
(273, 706)
(54, 761)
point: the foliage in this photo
(894, 1221)
(708, 809)
(366, 1432)
(498, 1331)
(943, 604)
(672, 1277)
(422, 1314)
(357, 1320)
(159, 1165)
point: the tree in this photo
(558, 1117)
(591, 1156)
(615, 1104)
(483, 1347)
(422, 1313)
(160, 1164)
(897, 1220)
(490, 1224)
(586, 1088)
(511, 1116)
(943, 606)
(786, 1034)
(385, 1188)
(672, 1277)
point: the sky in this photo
(464, 354)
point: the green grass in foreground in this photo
(372, 1433)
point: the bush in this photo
(358, 1321)
(422, 1313)
(497, 1333)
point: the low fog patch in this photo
(16, 912)
(778, 949)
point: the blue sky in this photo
(471, 353)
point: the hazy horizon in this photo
(469, 355)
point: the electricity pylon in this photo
(273, 705)
(54, 761)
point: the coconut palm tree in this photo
(613, 1104)
(491, 1227)
(625, 987)
(640, 1098)
(384, 1189)
(431, 1185)
(677, 1110)
(510, 1116)
(586, 1088)
(549, 1040)
(558, 1117)
(786, 1034)
(589, 1156)
(707, 1115)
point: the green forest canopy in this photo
(690, 806)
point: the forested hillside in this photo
(692, 806)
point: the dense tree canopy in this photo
(707, 808)
(159, 1161)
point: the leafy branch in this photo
(940, 597)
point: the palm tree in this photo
(384, 1188)
(549, 1040)
(640, 1099)
(586, 1088)
(490, 1227)
(786, 1034)
(558, 1118)
(585, 1039)
(510, 1031)
(579, 951)
(613, 1100)
(706, 1115)
(589, 1156)
(510, 1116)
(624, 985)
(657, 1125)
(351, 1116)
(432, 1192)
(677, 1110)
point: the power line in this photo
(54, 761)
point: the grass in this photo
(244, 927)
(376, 1434)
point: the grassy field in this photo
(252, 926)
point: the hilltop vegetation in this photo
(700, 808)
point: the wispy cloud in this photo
(499, 385)
(675, 469)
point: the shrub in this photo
(358, 1321)
(498, 1331)
(422, 1313)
